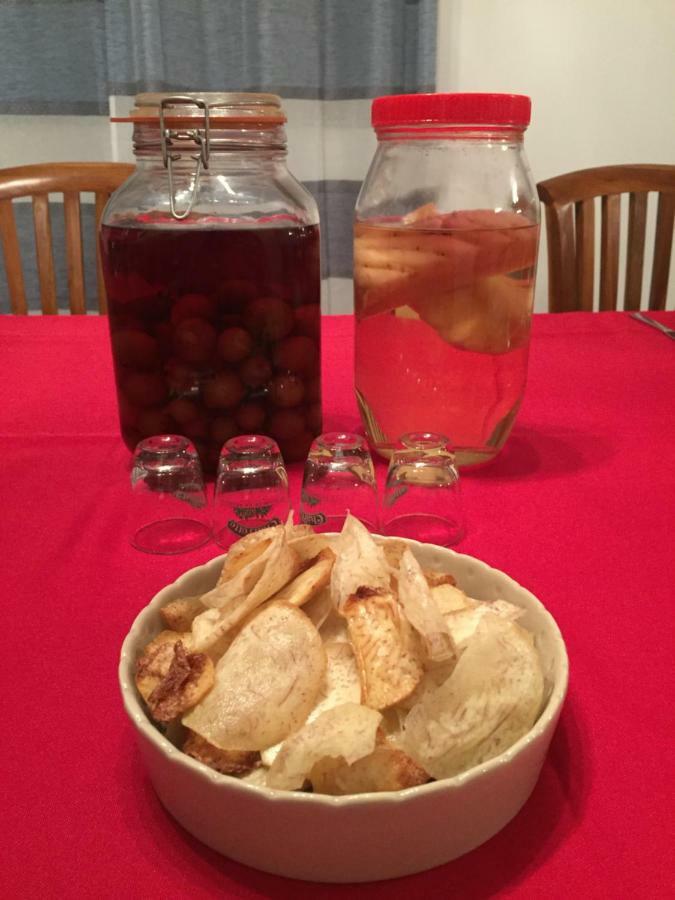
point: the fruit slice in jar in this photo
(266, 683)
(405, 267)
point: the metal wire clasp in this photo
(169, 137)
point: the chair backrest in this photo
(569, 201)
(37, 182)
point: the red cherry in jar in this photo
(269, 318)
(287, 390)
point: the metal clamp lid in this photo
(169, 138)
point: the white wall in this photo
(601, 74)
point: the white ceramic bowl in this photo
(357, 838)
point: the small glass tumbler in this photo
(422, 497)
(168, 496)
(338, 478)
(251, 488)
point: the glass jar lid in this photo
(451, 109)
(189, 109)
(183, 125)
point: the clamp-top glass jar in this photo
(210, 256)
(446, 234)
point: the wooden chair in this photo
(38, 181)
(570, 231)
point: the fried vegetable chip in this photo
(333, 627)
(309, 582)
(360, 563)
(420, 609)
(171, 680)
(449, 598)
(266, 683)
(435, 579)
(309, 546)
(348, 732)
(491, 699)
(464, 622)
(432, 679)
(319, 607)
(293, 530)
(154, 663)
(341, 685)
(245, 551)
(227, 762)
(274, 567)
(388, 653)
(340, 665)
(393, 551)
(385, 769)
(179, 614)
(257, 777)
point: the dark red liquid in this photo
(216, 332)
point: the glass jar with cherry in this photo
(210, 256)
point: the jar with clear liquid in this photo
(445, 248)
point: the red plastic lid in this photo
(451, 109)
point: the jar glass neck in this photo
(432, 131)
(266, 143)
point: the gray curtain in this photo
(68, 58)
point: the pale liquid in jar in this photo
(442, 327)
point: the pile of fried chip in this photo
(337, 664)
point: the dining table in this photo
(579, 508)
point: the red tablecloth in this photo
(580, 508)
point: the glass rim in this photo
(340, 440)
(424, 440)
(248, 445)
(164, 443)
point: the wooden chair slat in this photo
(12, 257)
(609, 251)
(609, 183)
(663, 244)
(37, 181)
(74, 254)
(585, 252)
(101, 200)
(560, 238)
(635, 250)
(44, 178)
(43, 249)
(602, 180)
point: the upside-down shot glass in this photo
(422, 497)
(338, 478)
(251, 489)
(168, 497)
